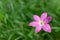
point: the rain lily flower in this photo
(41, 23)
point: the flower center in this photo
(41, 23)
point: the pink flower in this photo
(41, 23)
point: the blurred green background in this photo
(15, 15)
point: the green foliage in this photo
(15, 16)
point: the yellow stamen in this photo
(41, 23)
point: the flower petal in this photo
(47, 20)
(43, 16)
(34, 24)
(36, 18)
(38, 28)
(47, 28)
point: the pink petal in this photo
(43, 16)
(47, 28)
(47, 20)
(34, 24)
(36, 18)
(38, 28)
